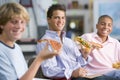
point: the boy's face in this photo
(13, 29)
(104, 27)
(57, 21)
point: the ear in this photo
(96, 26)
(48, 19)
(1, 27)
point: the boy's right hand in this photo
(80, 72)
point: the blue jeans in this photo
(114, 74)
(97, 78)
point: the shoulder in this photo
(88, 34)
(4, 56)
(114, 40)
(69, 42)
(66, 39)
(3, 49)
(17, 45)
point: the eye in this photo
(56, 17)
(23, 21)
(63, 17)
(102, 23)
(13, 21)
(110, 25)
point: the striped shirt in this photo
(65, 63)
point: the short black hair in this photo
(55, 7)
(104, 16)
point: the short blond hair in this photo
(9, 11)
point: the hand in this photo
(46, 53)
(85, 51)
(80, 72)
(96, 45)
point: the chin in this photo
(17, 38)
(60, 29)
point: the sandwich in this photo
(82, 42)
(87, 44)
(116, 65)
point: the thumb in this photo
(46, 46)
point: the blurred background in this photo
(81, 17)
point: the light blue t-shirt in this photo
(12, 62)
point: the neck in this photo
(6, 41)
(60, 34)
(104, 39)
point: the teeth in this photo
(16, 31)
(105, 31)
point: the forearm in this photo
(29, 75)
(85, 56)
(83, 61)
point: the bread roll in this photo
(88, 44)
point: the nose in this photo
(106, 25)
(61, 20)
(18, 25)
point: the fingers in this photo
(53, 51)
(46, 46)
(82, 72)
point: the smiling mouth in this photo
(105, 31)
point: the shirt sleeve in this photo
(118, 50)
(80, 58)
(50, 69)
(82, 61)
(6, 69)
